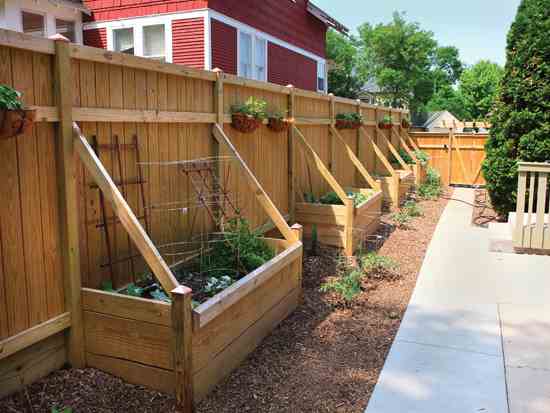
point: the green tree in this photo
(448, 98)
(401, 55)
(521, 120)
(343, 79)
(479, 88)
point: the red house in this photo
(279, 41)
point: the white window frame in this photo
(137, 25)
(255, 36)
(38, 13)
(325, 76)
(158, 57)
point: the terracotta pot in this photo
(383, 125)
(356, 125)
(15, 122)
(277, 125)
(244, 123)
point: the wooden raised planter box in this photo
(420, 173)
(332, 220)
(395, 189)
(133, 338)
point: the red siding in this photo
(96, 38)
(282, 19)
(224, 47)
(188, 42)
(120, 9)
(287, 67)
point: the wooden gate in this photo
(457, 156)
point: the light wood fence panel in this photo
(462, 164)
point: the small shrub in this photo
(413, 209)
(347, 285)
(332, 198)
(401, 218)
(63, 410)
(378, 266)
(431, 189)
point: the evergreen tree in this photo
(521, 120)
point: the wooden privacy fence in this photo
(133, 111)
(531, 223)
(457, 156)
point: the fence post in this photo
(332, 109)
(68, 192)
(358, 144)
(220, 119)
(182, 338)
(450, 155)
(291, 160)
(376, 161)
(349, 227)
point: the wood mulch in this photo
(326, 357)
(483, 212)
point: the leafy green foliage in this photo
(422, 157)
(342, 77)
(386, 120)
(478, 88)
(401, 218)
(256, 108)
(10, 99)
(332, 198)
(413, 209)
(406, 62)
(431, 188)
(350, 117)
(404, 155)
(347, 285)
(216, 285)
(107, 285)
(521, 119)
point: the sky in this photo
(478, 28)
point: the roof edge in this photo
(326, 18)
(78, 5)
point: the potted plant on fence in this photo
(248, 116)
(386, 122)
(405, 123)
(14, 119)
(277, 122)
(349, 120)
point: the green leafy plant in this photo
(401, 218)
(331, 198)
(405, 156)
(412, 209)
(350, 117)
(423, 157)
(347, 285)
(431, 188)
(253, 107)
(107, 285)
(10, 99)
(378, 266)
(386, 122)
(277, 114)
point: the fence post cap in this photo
(181, 290)
(59, 38)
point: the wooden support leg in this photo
(182, 347)
(348, 250)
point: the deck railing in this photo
(532, 225)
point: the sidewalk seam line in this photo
(448, 348)
(503, 358)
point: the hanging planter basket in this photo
(278, 124)
(405, 124)
(347, 124)
(15, 122)
(385, 125)
(244, 123)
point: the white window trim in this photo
(254, 36)
(45, 28)
(137, 23)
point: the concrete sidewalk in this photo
(476, 335)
